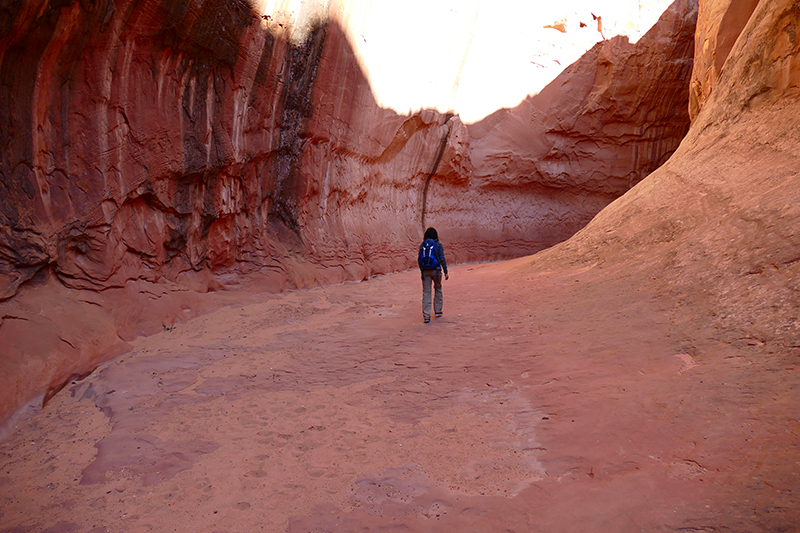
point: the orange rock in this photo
(718, 26)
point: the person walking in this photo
(431, 265)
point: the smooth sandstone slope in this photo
(154, 153)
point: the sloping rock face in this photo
(714, 233)
(154, 150)
(715, 227)
(594, 132)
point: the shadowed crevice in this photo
(440, 153)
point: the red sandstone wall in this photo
(147, 140)
(135, 138)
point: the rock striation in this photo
(154, 151)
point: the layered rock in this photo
(154, 150)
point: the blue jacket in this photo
(438, 251)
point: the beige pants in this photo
(428, 277)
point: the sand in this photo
(540, 401)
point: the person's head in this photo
(430, 233)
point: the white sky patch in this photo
(469, 56)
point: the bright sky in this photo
(470, 56)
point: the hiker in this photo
(431, 264)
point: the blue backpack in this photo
(427, 258)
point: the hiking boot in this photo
(438, 315)
(427, 320)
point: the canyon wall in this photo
(718, 27)
(715, 228)
(154, 151)
(590, 135)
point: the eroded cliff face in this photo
(154, 151)
(165, 141)
(589, 136)
(715, 228)
(140, 135)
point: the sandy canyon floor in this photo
(541, 401)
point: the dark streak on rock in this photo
(442, 147)
(301, 67)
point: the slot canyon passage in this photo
(210, 315)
